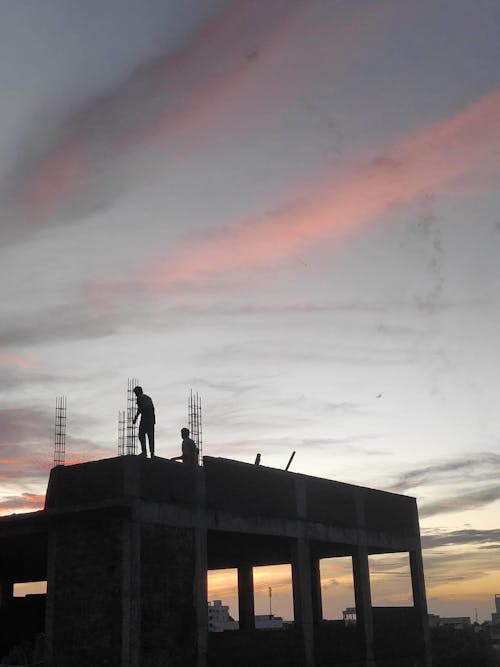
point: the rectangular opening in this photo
(337, 588)
(273, 596)
(390, 580)
(222, 593)
(22, 589)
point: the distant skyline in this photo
(291, 208)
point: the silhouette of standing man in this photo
(189, 450)
(146, 409)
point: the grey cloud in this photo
(250, 446)
(20, 425)
(60, 323)
(465, 501)
(485, 465)
(463, 537)
(455, 564)
(345, 445)
(13, 379)
(490, 546)
(27, 427)
(238, 386)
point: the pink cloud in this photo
(17, 360)
(176, 92)
(12, 468)
(221, 83)
(26, 502)
(433, 158)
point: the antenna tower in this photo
(131, 409)
(121, 432)
(194, 420)
(60, 432)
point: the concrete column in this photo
(201, 567)
(420, 601)
(246, 597)
(131, 591)
(362, 596)
(303, 597)
(6, 592)
(84, 589)
(50, 599)
(317, 604)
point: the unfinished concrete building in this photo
(125, 545)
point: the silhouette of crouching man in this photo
(146, 409)
(189, 450)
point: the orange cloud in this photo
(431, 159)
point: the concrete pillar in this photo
(84, 590)
(303, 597)
(317, 604)
(362, 596)
(131, 592)
(420, 602)
(246, 597)
(6, 592)
(201, 567)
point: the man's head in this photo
(185, 432)
(138, 391)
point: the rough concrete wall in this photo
(248, 489)
(331, 504)
(86, 591)
(165, 481)
(85, 482)
(168, 620)
(258, 648)
(390, 513)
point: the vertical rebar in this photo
(121, 432)
(131, 409)
(60, 432)
(194, 421)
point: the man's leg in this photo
(151, 439)
(142, 440)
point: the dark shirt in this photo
(189, 452)
(146, 409)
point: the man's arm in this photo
(136, 415)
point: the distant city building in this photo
(433, 620)
(219, 618)
(458, 622)
(268, 622)
(495, 617)
(349, 616)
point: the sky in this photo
(289, 207)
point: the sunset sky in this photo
(288, 206)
